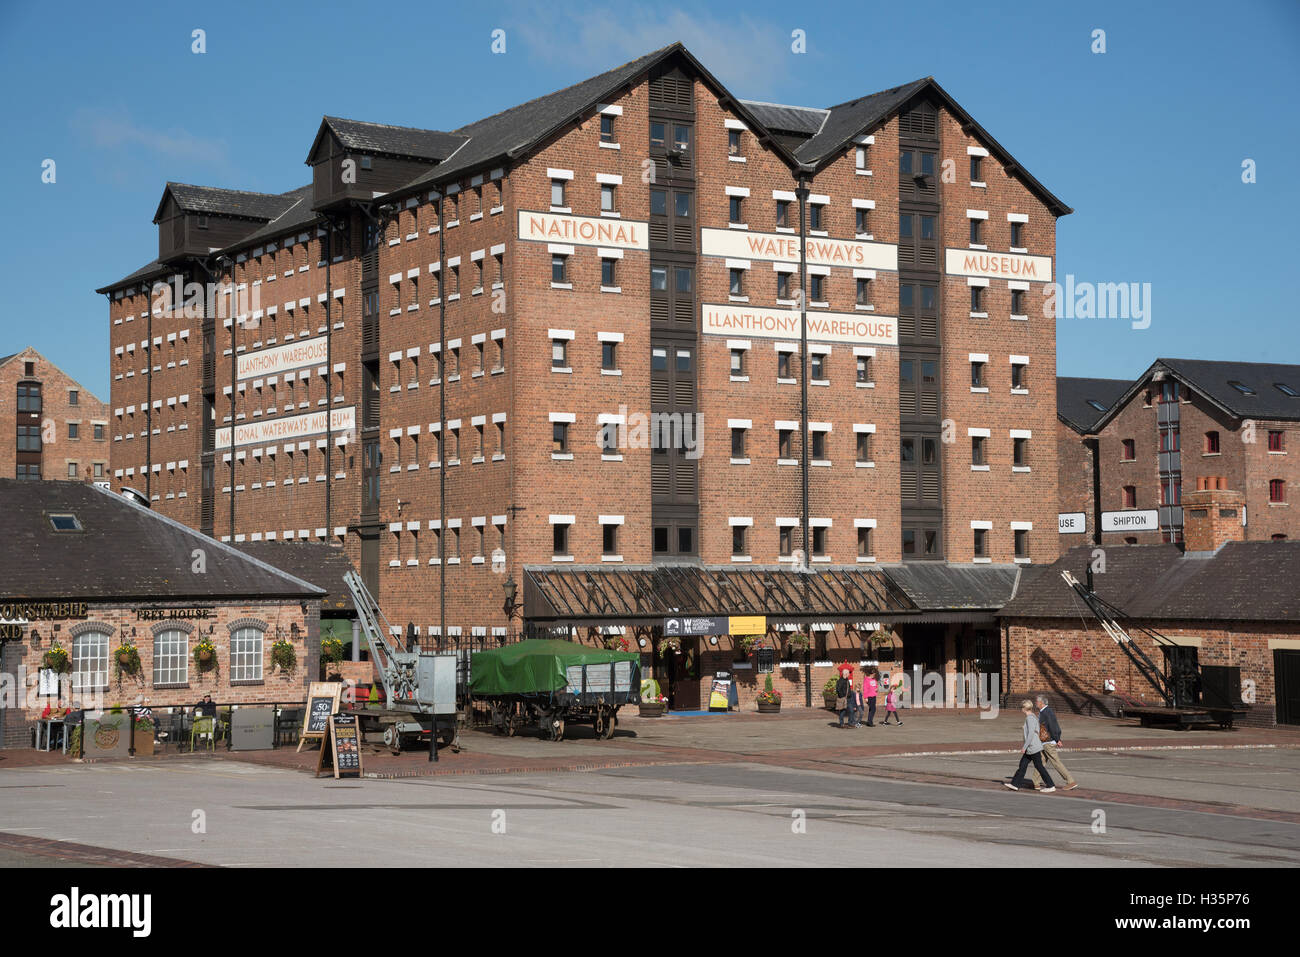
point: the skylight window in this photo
(65, 523)
(1241, 387)
(1096, 405)
(1286, 390)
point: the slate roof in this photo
(1073, 394)
(320, 563)
(147, 271)
(224, 202)
(525, 124)
(402, 141)
(1242, 581)
(1211, 378)
(850, 119)
(941, 586)
(124, 551)
(297, 215)
(803, 120)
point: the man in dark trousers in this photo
(1047, 719)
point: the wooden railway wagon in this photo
(550, 684)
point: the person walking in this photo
(870, 687)
(1033, 751)
(891, 704)
(1047, 722)
(843, 704)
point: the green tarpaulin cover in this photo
(534, 665)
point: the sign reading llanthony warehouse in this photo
(783, 248)
(291, 355)
(853, 328)
(989, 265)
(288, 428)
(583, 230)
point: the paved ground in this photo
(734, 790)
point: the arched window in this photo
(171, 658)
(90, 661)
(246, 654)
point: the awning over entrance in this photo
(643, 595)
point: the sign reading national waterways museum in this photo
(784, 248)
(288, 428)
(583, 230)
(994, 265)
(846, 327)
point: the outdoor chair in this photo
(205, 729)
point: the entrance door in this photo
(684, 677)
(1286, 676)
(923, 645)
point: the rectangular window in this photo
(864, 368)
(1129, 453)
(977, 450)
(1022, 542)
(736, 285)
(860, 156)
(783, 444)
(608, 279)
(246, 655)
(738, 543)
(975, 225)
(977, 375)
(785, 535)
(817, 288)
(783, 213)
(171, 658)
(864, 542)
(862, 220)
(981, 542)
(99, 432)
(864, 292)
(609, 539)
(90, 661)
(1130, 496)
(72, 470)
(607, 128)
(733, 142)
(1018, 377)
(1275, 443)
(815, 216)
(817, 366)
(783, 285)
(560, 540)
(1017, 302)
(607, 198)
(558, 264)
(975, 169)
(734, 209)
(1276, 490)
(609, 355)
(72, 397)
(737, 362)
(1020, 452)
(863, 442)
(557, 192)
(559, 354)
(1017, 235)
(819, 540)
(74, 430)
(783, 369)
(976, 298)
(1212, 443)
(737, 443)
(819, 446)
(559, 437)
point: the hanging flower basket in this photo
(283, 655)
(331, 650)
(128, 659)
(205, 654)
(670, 646)
(56, 659)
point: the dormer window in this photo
(201, 222)
(365, 162)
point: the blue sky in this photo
(1146, 141)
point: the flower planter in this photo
(205, 656)
(830, 700)
(769, 707)
(124, 659)
(144, 743)
(653, 710)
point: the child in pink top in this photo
(891, 705)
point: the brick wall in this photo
(60, 450)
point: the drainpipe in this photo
(329, 377)
(442, 431)
(802, 193)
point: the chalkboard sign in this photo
(346, 739)
(322, 701)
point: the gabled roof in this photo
(148, 271)
(123, 551)
(782, 118)
(861, 116)
(1074, 398)
(380, 138)
(1242, 581)
(1213, 379)
(320, 563)
(297, 215)
(222, 202)
(514, 131)
(85, 393)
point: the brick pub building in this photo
(87, 570)
(50, 427)
(452, 353)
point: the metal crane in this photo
(420, 686)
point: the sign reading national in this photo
(583, 230)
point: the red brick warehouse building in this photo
(451, 346)
(1131, 450)
(50, 426)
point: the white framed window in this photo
(171, 658)
(246, 645)
(90, 661)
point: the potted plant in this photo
(205, 654)
(748, 643)
(669, 646)
(616, 643)
(56, 659)
(127, 657)
(879, 639)
(653, 704)
(144, 732)
(797, 644)
(769, 700)
(283, 655)
(828, 692)
(331, 650)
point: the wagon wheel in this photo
(393, 738)
(610, 725)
